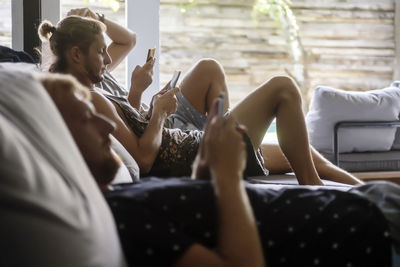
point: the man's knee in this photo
(209, 65)
(286, 88)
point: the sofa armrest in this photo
(357, 124)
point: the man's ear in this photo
(75, 54)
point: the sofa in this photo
(358, 131)
(53, 213)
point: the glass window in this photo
(5, 23)
(114, 10)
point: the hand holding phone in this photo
(151, 53)
(174, 79)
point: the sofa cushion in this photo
(329, 106)
(128, 161)
(53, 213)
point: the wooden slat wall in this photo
(351, 44)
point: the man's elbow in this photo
(132, 40)
(145, 165)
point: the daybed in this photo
(52, 213)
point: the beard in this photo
(105, 172)
(94, 75)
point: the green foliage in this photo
(278, 10)
(281, 13)
(189, 5)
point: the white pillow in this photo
(329, 106)
(52, 213)
(128, 165)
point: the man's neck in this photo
(82, 77)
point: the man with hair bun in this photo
(78, 46)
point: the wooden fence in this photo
(350, 43)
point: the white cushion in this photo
(52, 213)
(129, 165)
(329, 106)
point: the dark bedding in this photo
(158, 220)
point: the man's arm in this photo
(141, 78)
(123, 39)
(144, 149)
(223, 151)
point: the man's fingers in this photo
(212, 112)
(166, 86)
(173, 91)
(241, 129)
(215, 127)
(233, 131)
(82, 12)
(230, 123)
(149, 64)
(137, 68)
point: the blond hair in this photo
(69, 32)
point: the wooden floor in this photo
(393, 176)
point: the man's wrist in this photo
(137, 89)
(100, 17)
(223, 175)
(134, 91)
(159, 113)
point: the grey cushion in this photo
(330, 106)
(368, 161)
(52, 212)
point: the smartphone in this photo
(174, 79)
(221, 104)
(151, 53)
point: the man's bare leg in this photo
(206, 80)
(203, 83)
(280, 98)
(276, 163)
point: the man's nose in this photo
(107, 59)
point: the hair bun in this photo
(46, 29)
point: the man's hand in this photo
(83, 12)
(156, 96)
(142, 77)
(222, 152)
(165, 101)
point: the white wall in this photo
(143, 18)
(17, 13)
(51, 10)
